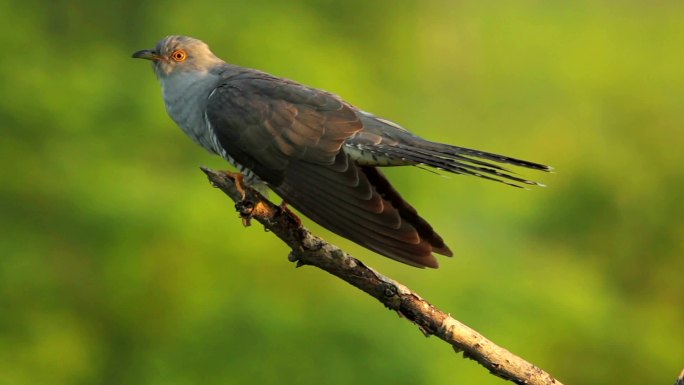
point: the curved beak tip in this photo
(147, 54)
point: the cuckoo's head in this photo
(175, 54)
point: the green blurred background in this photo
(120, 264)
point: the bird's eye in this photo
(179, 55)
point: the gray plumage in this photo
(318, 152)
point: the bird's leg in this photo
(244, 206)
(239, 181)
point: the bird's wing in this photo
(291, 136)
(266, 123)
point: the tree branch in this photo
(308, 249)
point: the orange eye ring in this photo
(179, 55)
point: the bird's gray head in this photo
(175, 54)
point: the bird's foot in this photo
(286, 209)
(248, 209)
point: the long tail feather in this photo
(461, 160)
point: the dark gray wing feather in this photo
(359, 204)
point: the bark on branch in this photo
(308, 249)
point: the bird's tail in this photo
(461, 160)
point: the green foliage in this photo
(119, 264)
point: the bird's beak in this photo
(148, 54)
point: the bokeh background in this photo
(120, 264)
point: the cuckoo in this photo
(319, 153)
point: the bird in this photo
(319, 153)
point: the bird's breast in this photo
(185, 98)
